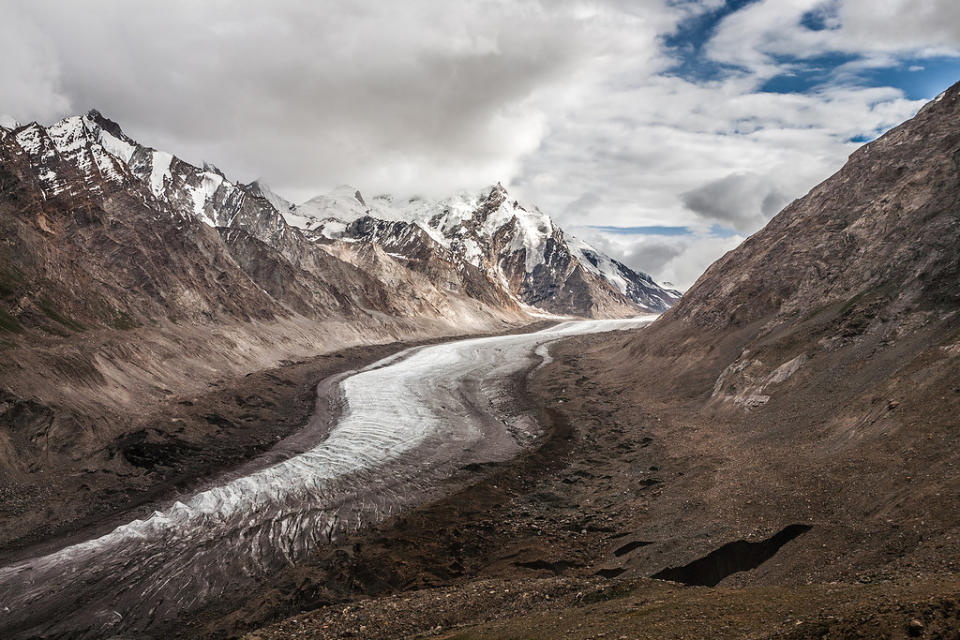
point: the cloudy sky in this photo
(664, 131)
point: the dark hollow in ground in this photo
(630, 546)
(731, 558)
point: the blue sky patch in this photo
(817, 19)
(918, 78)
(686, 44)
(806, 74)
(654, 230)
(719, 231)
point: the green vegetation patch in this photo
(9, 324)
(54, 314)
(11, 282)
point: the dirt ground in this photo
(548, 608)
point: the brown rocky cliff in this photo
(886, 223)
(871, 250)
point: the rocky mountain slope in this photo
(809, 377)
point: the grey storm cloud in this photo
(582, 205)
(648, 255)
(300, 92)
(743, 201)
(651, 255)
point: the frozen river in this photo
(407, 423)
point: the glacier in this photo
(408, 422)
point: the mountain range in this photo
(485, 250)
(131, 279)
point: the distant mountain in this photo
(103, 227)
(516, 246)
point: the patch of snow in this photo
(278, 202)
(332, 228)
(444, 215)
(496, 219)
(341, 203)
(105, 163)
(472, 252)
(605, 267)
(533, 229)
(434, 234)
(68, 135)
(295, 219)
(120, 149)
(30, 139)
(160, 171)
(203, 194)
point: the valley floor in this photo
(173, 450)
(561, 542)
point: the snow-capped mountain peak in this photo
(262, 189)
(489, 234)
(516, 245)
